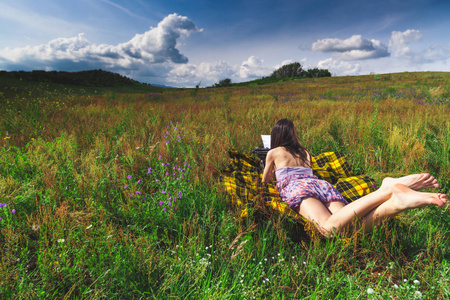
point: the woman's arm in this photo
(268, 170)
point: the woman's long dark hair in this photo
(284, 134)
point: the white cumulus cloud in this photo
(157, 45)
(254, 67)
(399, 42)
(353, 48)
(339, 67)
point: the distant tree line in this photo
(296, 70)
(286, 71)
(84, 78)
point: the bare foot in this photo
(416, 182)
(406, 198)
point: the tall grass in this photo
(87, 218)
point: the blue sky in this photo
(181, 43)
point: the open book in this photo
(266, 141)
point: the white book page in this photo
(266, 141)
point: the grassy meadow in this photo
(115, 195)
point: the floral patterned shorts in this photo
(294, 188)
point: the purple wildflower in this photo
(0, 218)
(163, 191)
(139, 181)
(159, 157)
(178, 178)
(160, 203)
(165, 209)
(150, 169)
(167, 173)
(129, 176)
(13, 211)
(138, 193)
(170, 204)
(125, 186)
(167, 164)
(156, 180)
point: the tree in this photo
(223, 83)
(290, 70)
(316, 72)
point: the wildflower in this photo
(170, 204)
(156, 180)
(89, 227)
(167, 173)
(395, 286)
(159, 157)
(418, 294)
(0, 218)
(161, 203)
(139, 181)
(61, 240)
(163, 191)
(165, 209)
(416, 282)
(370, 291)
(150, 170)
(35, 227)
(125, 186)
(129, 176)
(167, 164)
(138, 193)
(13, 211)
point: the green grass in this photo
(89, 219)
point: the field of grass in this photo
(115, 196)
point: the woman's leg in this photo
(403, 198)
(382, 204)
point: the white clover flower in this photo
(328, 279)
(418, 294)
(395, 286)
(61, 240)
(416, 282)
(35, 227)
(370, 291)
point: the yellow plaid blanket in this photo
(242, 181)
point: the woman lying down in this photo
(320, 203)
